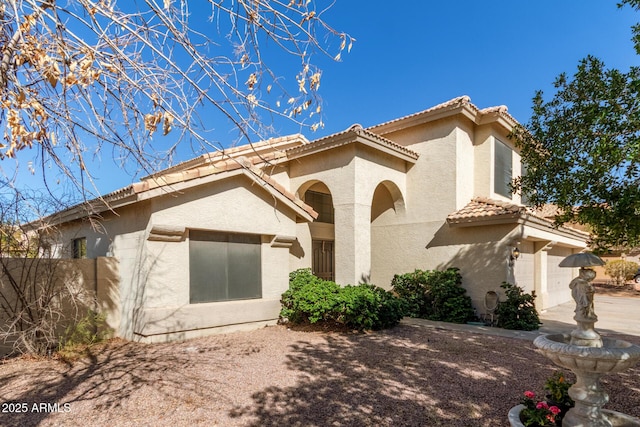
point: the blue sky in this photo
(411, 55)
(498, 53)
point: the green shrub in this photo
(311, 300)
(390, 308)
(411, 288)
(434, 295)
(518, 311)
(447, 298)
(367, 306)
(620, 270)
(88, 330)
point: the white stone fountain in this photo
(588, 355)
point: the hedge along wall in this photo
(96, 281)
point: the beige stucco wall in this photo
(234, 205)
(351, 173)
(93, 282)
(456, 164)
(400, 239)
(390, 218)
(154, 275)
(115, 234)
(442, 181)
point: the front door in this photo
(323, 262)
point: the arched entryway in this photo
(387, 205)
(322, 231)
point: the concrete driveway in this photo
(615, 315)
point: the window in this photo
(321, 203)
(79, 247)
(502, 169)
(224, 266)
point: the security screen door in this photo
(323, 261)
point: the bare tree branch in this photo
(77, 77)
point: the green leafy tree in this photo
(581, 151)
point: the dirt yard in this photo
(405, 376)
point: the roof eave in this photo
(306, 214)
(518, 219)
(424, 117)
(361, 136)
(461, 105)
(486, 221)
(96, 206)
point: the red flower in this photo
(529, 394)
(542, 405)
(554, 410)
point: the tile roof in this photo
(453, 104)
(355, 130)
(230, 164)
(267, 150)
(481, 207)
(178, 177)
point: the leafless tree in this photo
(78, 77)
(40, 293)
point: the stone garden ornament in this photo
(587, 354)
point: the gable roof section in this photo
(355, 133)
(263, 151)
(460, 105)
(482, 211)
(180, 180)
(230, 162)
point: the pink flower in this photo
(542, 405)
(554, 410)
(529, 394)
(551, 418)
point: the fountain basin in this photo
(589, 364)
(613, 356)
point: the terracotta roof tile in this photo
(481, 207)
(454, 103)
(461, 100)
(356, 130)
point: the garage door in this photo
(523, 267)
(558, 278)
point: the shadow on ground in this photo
(106, 379)
(408, 376)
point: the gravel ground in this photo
(406, 376)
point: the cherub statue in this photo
(582, 292)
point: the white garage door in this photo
(558, 278)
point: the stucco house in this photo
(207, 245)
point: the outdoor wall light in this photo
(514, 255)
